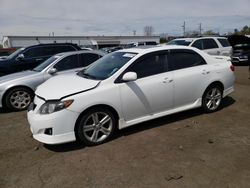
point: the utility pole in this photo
(184, 28)
(200, 28)
(134, 32)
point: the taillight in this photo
(232, 68)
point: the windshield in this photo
(106, 66)
(179, 42)
(19, 51)
(46, 63)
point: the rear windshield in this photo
(179, 42)
(224, 42)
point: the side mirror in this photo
(52, 71)
(129, 76)
(20, 57)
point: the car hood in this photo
(17, 76)
(63, 86)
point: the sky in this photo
(120, 17)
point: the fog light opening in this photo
(48, 131)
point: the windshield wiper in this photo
(86, 75)
(35, 70)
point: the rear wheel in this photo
(211, 100)
(18, 99)
(96, 126)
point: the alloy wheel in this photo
(20, 99)
(213, 99)
(97, 127)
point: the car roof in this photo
(55, 44)
(144, 50)
(81, 52)
(195, 38)
(186, 39)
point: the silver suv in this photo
(211, 45)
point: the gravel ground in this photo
(188, 149)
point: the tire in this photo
(91, 131)
(212, 98)
(18, 99)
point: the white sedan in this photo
(125, 88)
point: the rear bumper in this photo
(228, 91)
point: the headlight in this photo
(54, 106)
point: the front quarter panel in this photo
(104, 94)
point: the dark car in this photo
(29, 57)
(241, 49)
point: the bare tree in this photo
(148, 30)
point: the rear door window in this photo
(181, 59)
(69, 62)
(224, 42)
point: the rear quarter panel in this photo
(221, 71)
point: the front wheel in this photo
(18, 99)
(96, 126)
(211, 100)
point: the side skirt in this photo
(124, 124)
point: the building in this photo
(85, 41)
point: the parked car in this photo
(29, 57)
(136, 44)
(241, 49)
(17, 89)
(211, 45)
(111, 49)
(127, 87)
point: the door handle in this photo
(168, 80)
(205, 72)
(39, 59)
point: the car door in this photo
(27, 62)
(208, 45)
(67, 64)
(152, 92)
(35, 56)
(190, 74)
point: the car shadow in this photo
(4, 111)
(162, 121)
(65, 147)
